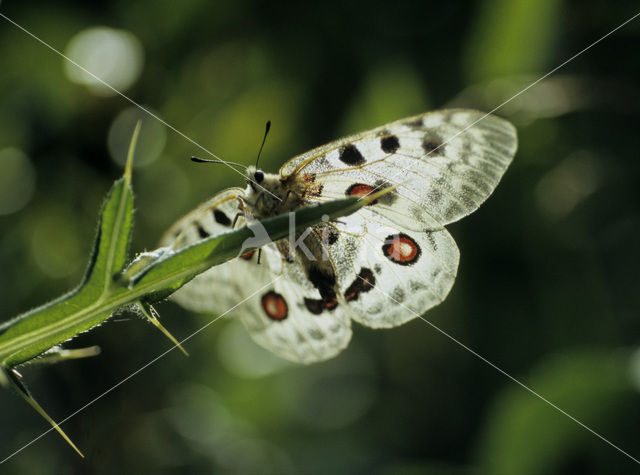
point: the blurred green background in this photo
(548, 286)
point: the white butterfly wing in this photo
(389, 275)
(268, 297)
(281, 321)
(219, 288)
(444, 163)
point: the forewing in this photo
(221, 287)
(444, 164)
(214, 216)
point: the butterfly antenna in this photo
(204, 160)
(266, 132)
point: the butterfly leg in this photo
(235, 219)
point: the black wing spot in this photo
(324, 283)
(317, 306)
(389, 144)
(398, 294)
(416, 124)
(351, 155)
(432, 143)
(416, 286)
(202, 232)
(221, 218)
(313, 305)
(390, 197)
(364, 282)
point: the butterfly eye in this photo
(259, 176)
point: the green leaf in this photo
(116, 221)
(34, 332)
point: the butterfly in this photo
(381, 266)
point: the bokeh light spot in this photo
(115, 56)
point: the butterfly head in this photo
(265, 193)
(256, 179)
(258, 176)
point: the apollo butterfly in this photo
(381, 266)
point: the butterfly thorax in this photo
(268, 194)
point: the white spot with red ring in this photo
(401, 249)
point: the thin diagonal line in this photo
(142, 368)
(519, 93)
(500, 370)
(165, 123)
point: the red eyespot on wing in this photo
(358, 190)
(274, 306)
(401, 249)
(247, 255)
